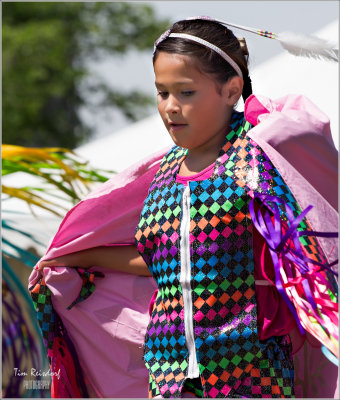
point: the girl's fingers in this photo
(68, 260)
(41, 266)
(49, 263)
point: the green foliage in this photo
(56, 168)
(46, 47)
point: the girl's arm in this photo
(116, 258)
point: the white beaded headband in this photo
(295, 43)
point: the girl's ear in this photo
(232, 90)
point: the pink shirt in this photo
(201, 176)
(273, 315)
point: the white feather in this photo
(308, 46)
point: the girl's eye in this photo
(163, 95)
(188, 92)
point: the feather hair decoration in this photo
(308, 46)
(298, 44)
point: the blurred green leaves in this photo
(62, 175)
(46, 47)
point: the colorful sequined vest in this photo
(222, 269)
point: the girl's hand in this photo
(69, 260)
(116, 258)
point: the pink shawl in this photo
(108, 328)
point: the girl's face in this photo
(195, 114)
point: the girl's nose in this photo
(172, 105)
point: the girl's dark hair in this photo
(207, 60)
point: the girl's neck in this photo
(197, 161)
(194, 166)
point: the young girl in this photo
(218, 327)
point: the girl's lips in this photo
(177, 127)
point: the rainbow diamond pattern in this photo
(232, 361)
(42, 300)
(49, 321)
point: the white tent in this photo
(281, 75)
(316, 79)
